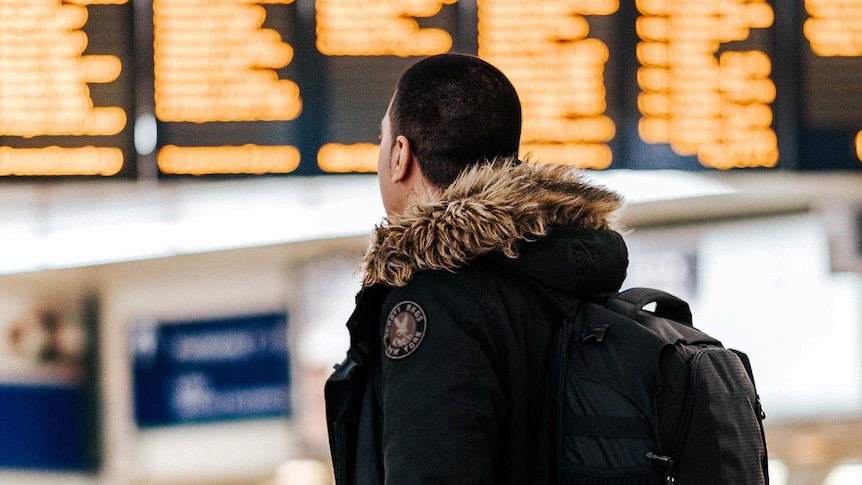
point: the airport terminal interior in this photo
(187, 189)
(127, 308)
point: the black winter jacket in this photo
(446, 380)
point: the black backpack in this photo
(645, 398)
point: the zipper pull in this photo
(665, 461)
(661, 459)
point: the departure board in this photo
(360, 67)
(831, 85)
(704, 79)
(558, 68)
(66, 88)
(214, 65)
(176, 88)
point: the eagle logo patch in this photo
(405, 329)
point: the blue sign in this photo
(45, 427)
(210, 370)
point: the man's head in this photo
(449, 112)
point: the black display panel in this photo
(223, 88)
(831, 86)
(66, 88)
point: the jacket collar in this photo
(490, 208)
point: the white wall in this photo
(765, 286)
(196, 287)
(254, 280)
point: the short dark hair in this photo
(457, 111)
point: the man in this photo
(479, 260)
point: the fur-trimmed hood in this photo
(506, 210)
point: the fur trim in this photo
(491, 207)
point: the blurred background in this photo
(187, 188)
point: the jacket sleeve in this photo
(441, 398)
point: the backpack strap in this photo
(630, 302)
(363, 330)
(559, 359)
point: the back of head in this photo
(457, 111)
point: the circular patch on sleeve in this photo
(405, 329)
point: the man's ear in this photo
(403, 160)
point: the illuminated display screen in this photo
(299, 87)
(558, 68)
(215, 68)
(698, 98)
(831, 85)
(359, 81)
(66, 88)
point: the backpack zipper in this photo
(685, 419)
